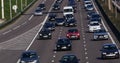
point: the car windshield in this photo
(38, 10)
(29, 55)
(72, 30)
(89, 6)
(100, 31)
(49, 24)
(63, 41)
(68, 58)
(68, 10)
(95, 16)
(109, 47)
(94, 24)
(42, 5)
(59, 19)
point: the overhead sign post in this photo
(15, 7)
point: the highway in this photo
(22, 35)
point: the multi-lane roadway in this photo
(22, 34)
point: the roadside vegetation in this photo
(111, 14)
(13, 2)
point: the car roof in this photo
(109, 44)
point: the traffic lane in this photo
(94, 47)
(29, 24)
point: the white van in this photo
(68, 10)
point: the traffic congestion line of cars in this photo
(109, 50)
(68, 20)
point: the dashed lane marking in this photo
(86, 57)
(53, 61)
(6, 32)
(16, 27)
(86, 53)
(85, 49)
(31, 17)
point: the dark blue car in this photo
(109, 50)
(29, 57)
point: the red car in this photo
(73, 34)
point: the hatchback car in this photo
(94, 27)
(73, 34)
(42, 6)
(70, 22)
(100, 34)
(29, 57)
(63, 44)
(56, 6)
(89, 7)
(52, 17)
(49, 25)
(59, 21)
(38, 12)
(69, 58)
(109, 50)
(45, 34)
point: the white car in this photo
(38, 12)
(87, 3)
(94, 27)
(68, 10)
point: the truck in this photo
(68, 10)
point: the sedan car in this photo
(70, 22)
(29, 57)
(56, 6)
(63, 44)
(45, 34)
(100, 34)
(49, 25)
(109, 50)
(69, 58)
(94, 27)
(42, 6)
(73, 34)
(38, 12)
(89, 7)
(52, 17)
(59, 21)
(69, 16)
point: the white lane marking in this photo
(84, 45)
(52, 61)
(16, 27)
(6, 32)
(86, 57)
(113, 41)
(55, 52)
(24, 23)
(87, 62)
(38, 31)
(86, 53)
(85, 49)
(84, 42)
(31, 17)
(54, 56)
(83, 38)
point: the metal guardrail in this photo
(15, 17)
(109, 22)
(116, 5)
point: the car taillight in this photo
(78, 34)
(67, 34)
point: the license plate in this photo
(45, 36)
(64, 47)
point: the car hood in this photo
(28, 59)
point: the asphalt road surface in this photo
(21, 36)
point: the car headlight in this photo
(95, 36)
(69, 45)
(58, 45)
(40, 34)
(106, 36)
(49, 34)
(22, 62)
(116, 52)
(103, 53)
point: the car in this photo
(89, 13)
(42, 6)
(73, 33)
(92, 20)
(94, 27)
(56, 6)
(69, 16)
(29, 57)
(100, 35)
(59, 21)
(109, 50)
(38, 12)
(69, 58)
(89, 7)
(49, 25)
(45, 34)
(68, 10)
(87, 3)
(63, 44)
(70, 22)
(95, 16)
(52, 17)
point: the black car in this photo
(45, 34)
(56, 6)
(42, 6)
(63, 44)
(52, 17)
(109, 50)
(59, 21)
(95, 16)
(49, 25)
(69, 16)
(70, 22)
(69, 58)
(29, 57)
